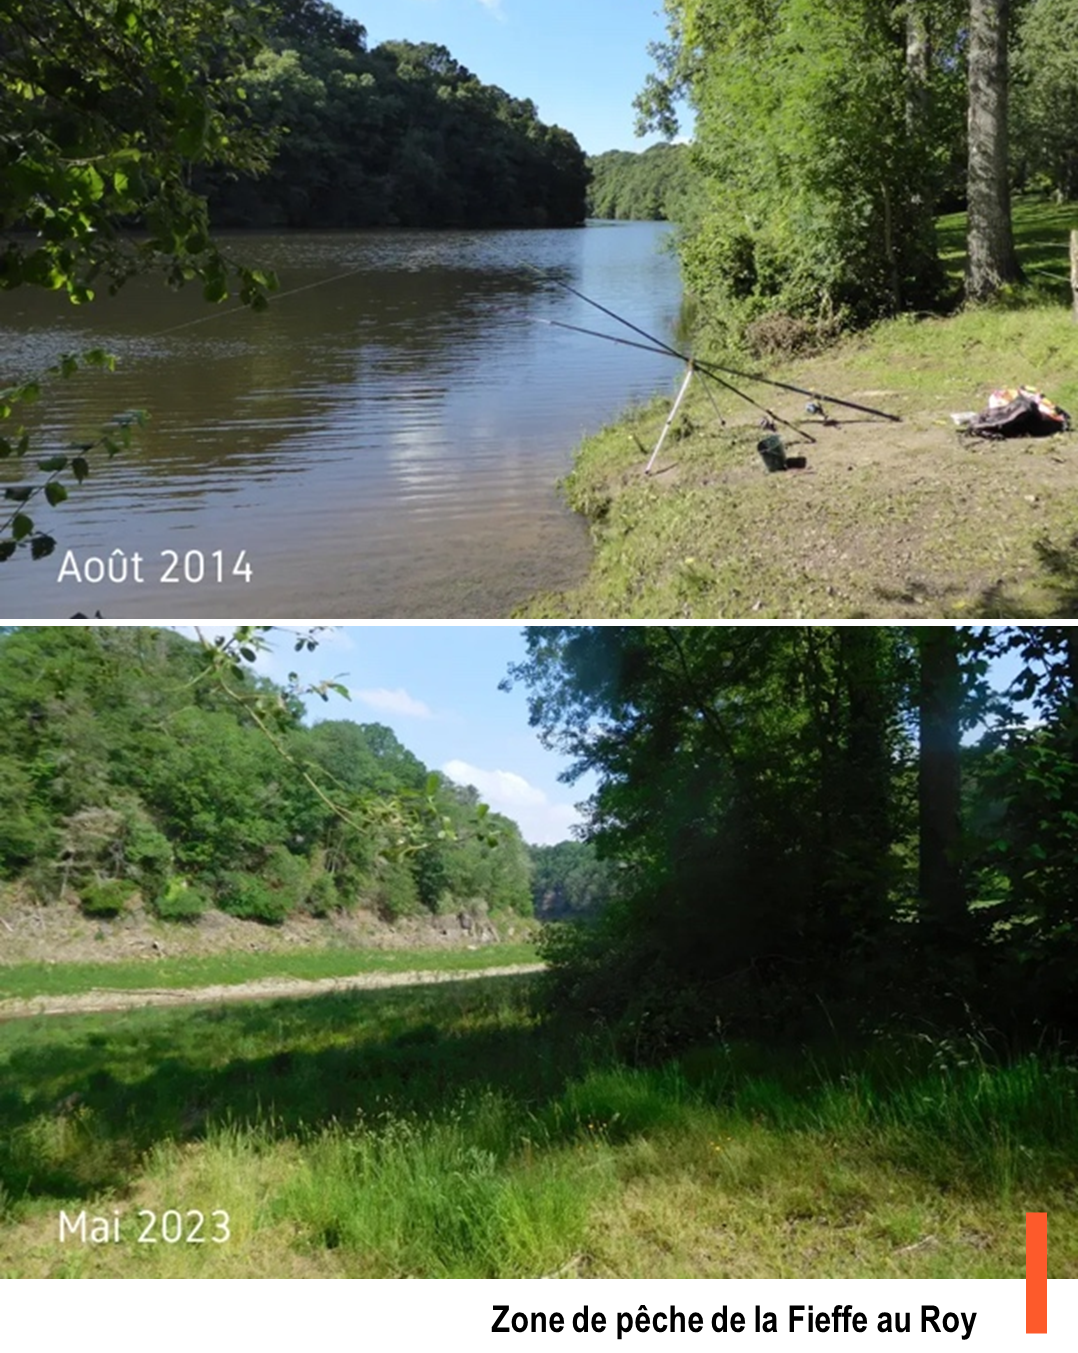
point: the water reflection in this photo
(383, 442)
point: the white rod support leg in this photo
(670, 418)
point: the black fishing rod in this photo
(800, 390)
(594, 333)
(712, 368)
(664, 349)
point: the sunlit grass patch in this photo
(49, 979)
(450, 1132)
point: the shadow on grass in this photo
(1059, 570)
(1041, 230)
(1059, 564)
(91, 1094)
(470, 1075)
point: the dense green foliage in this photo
(569, 881)
(1044, 104)
(760, 790)
(827, 137)
(655, 185)
(820, 184)
(401, 135)
(105, 110)
(126, 771)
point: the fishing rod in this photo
(712, 368)
(594, 333)
(673, 352)
(800, 390)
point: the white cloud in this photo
(394, 702)
(541, 822)
(493, 7)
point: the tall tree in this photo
(991, 258)
(745, 785)
(811, 133)
(940, 784)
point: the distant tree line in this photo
(570, 881)
(399, 135)
(125, 774)
(655, 185)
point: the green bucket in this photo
(773, 451)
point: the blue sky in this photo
(581, 61)
(437, 688)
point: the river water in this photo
(383, 442)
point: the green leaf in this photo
(55, 493)
(67, 365)
(20, 494)
(7, 549)
(21, 526)
(41, 547)
(53, 465)
(80, 468)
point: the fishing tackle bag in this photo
(1018, 413)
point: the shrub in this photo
(181, 901)
(108, 899)
(147, 852)
(396, 891)
(323, 897)
(248, 897)
(287, 876)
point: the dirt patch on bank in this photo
(904, 520)
(265, 989)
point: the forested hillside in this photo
(654, 185)
(129, 771)
(399, 135)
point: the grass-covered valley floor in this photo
(889, 520)
(448, 1131)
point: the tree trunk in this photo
(991, 258)
(911, 249)
(940, 785)
(918, 65)
(865, 794)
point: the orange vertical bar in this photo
(1036, 1272)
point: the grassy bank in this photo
(64, 979)
(903, 520)
(448, 1132)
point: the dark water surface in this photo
(384, 444)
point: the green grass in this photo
(1041, 231)
(448, 1132)
(27, 980)
(893, 520)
